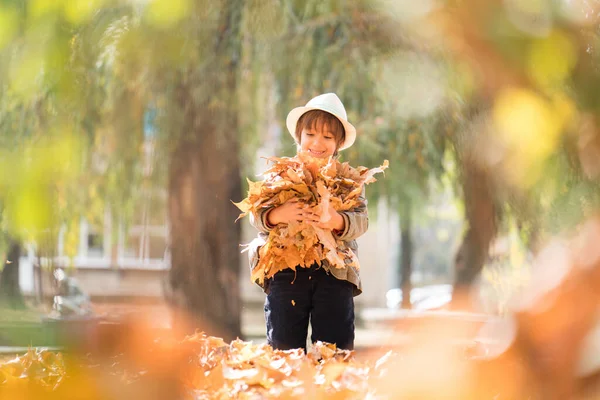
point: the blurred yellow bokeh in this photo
(529, 127)
(29, 207)
(26, 74)
(8, 25)
(164, 13)
(74, 11)
(32, 177)
(551, 59)
(40, 8)
(78, 11)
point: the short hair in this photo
(318, 119)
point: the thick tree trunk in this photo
(10, 291)
(406, 256)
(205, 262)
(204, 177)
(480, 213)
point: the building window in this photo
(95, 243)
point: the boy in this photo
(322, 295)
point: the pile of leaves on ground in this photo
(199, 367)
(316, 183)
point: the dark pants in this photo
(309, 294)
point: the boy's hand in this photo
(335, 222)
(291, 210)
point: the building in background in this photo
(121, 264)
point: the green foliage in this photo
(78, 81)
(104, 66)
(353, 49)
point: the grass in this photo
(23, 327)
(29, 314)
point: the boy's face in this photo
(318, 141)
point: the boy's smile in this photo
(319, 143)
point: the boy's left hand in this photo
(336, 222)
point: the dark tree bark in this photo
(10, 291)
(406, 256)
(478, 190)
(204, 177)
(480, 215)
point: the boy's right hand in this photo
(291, 210)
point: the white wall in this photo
(26, 280)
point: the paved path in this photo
(11, 351)
(377, 329)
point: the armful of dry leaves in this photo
(317, 183)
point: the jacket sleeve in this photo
(356, 220)
(259, 220)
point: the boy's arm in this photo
(356, 221)
(259, 220)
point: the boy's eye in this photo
(328, 137)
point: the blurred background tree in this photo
(198, 68)
(523, 144)
(102, 102)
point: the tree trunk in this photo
(10, 290)
(204, 177)
(480, 210)
(406, 254)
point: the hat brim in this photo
(294, 115)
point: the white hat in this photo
(330, 103)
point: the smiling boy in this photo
(320, 295)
